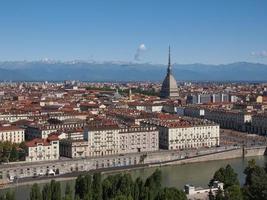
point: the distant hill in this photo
(110, 71)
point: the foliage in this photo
(8, 196)
(68, 192)
(46, 192)
(256, 182)
(226, 175)
(97, 187)
(11, 152)
(35, 193)
(171, 194)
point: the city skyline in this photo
(208, 32)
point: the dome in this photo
(169, 87)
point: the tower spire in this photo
(169, 61)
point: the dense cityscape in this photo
(55, 129)
(133, 100)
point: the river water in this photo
(198, 174)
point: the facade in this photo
(229, 119)
(236, 120)
(114, 140)
(73, 148)
(43, 130)
(169, 87)
(259, 124)
(43, 149)
(186, 134)
(12, 134)
(208, 98)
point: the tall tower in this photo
(169, 87)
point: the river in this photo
(197, 174)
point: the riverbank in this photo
(222, 155)
(197, 174)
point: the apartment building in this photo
(108, 140)
(230, 119)
(43, 130)
(73, 148)
(40, 149)
(259, 124)
(12, 134)
(186, 133)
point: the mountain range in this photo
(123, 71)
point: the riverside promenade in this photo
(70, 167)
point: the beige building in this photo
(12, 134)
(236, 120)
(43, 149)
(108, 140)
(73, 148)
(184, 134)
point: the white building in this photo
(43, 149)
(12, 134)
(186, 133)
(108, 140)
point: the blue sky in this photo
(199, 31)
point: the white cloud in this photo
(260, 54)
(139, 52)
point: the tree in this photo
(219, 194)
(13, 154)
(35, 193)
(88, 186)
(46, 192)
(10, 195)
(97, 187)
(154, 184)
(233, 193)
(225, 175)
(171, 194)
(125, 185)
(55, 190)
(256, 182)
(68, 192)
(80, 187)
(137, 188)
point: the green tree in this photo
(97, 187)
(14, 154)
(256, 182)
(68, 192)
(233, 193)
(137, 188)
(46, 192)
(55, 190)
(219, 195)
(80, 187)
(88, 186)
(10, 195)
(225, 175)
(171, 194)
(154, 184)
(35, 193)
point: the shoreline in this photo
(73, 175)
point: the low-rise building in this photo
(73, 148)
(40, 149)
